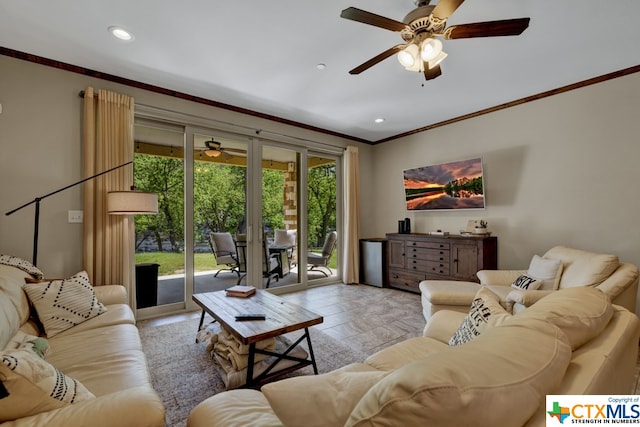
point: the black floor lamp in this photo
(125, 204)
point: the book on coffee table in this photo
(240, 291)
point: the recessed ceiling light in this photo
(321, 66)
(379, 120)
(120, 33)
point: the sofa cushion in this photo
(513, 367)
(320, 400)
(105, 360)
(485, 312)
(583, 268)
(547, 270)
(582, 313)
(404, 352)
(61, 304)
(235, 408)
(35, 386)
(526, 283)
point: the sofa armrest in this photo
(443, 324)
(621, 279)
(499, 277)
(526, 298)
(111, 294)
(134, 407)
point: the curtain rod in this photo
(257, 131)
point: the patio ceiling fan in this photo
(421, 29)
(214, 149)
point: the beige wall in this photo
(562, 170)
(40, 134)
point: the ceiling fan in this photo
(214, 149)
(421, 28)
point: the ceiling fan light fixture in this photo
(213, 153)
(437, 60)
(408, 57)
(430, 49)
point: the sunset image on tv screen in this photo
(455, 185)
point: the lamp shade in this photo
(131, 203)
(430, 49)
(408, 56)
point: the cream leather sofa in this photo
(572, 341)
(104, 354)
(579, 268)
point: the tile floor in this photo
(364, 317)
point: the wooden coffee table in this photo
(282, 317)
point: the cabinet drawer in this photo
(440, 255)
(426, 244)
(431, 267)
(406, 280)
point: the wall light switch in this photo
(75, 217)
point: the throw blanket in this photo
(229, 348)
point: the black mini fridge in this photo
(373, 262)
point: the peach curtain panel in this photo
(351, 216)
(108, 254)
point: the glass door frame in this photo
(201, 125)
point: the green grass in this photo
(173, 263)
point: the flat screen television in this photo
(455, 185)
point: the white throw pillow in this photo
(61, 304)
(547, 270)
(35, 386)
(485, 312)
(319, 400)
(526, 283)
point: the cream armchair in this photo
(579, 268)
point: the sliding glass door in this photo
(233, 209)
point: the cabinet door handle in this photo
(455, 260)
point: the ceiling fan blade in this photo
(378, 58)
(507, 27)
(432, 73)
(365, 17)
(445, 8)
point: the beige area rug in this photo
(184, 374)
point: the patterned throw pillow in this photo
(22, 264)
(526, 283)
(485, 312)
(38, 345)
(35, 386)
(61, 304)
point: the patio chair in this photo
(270, 262)
(316, 261)
(224, 251)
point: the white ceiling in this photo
(262, 55)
